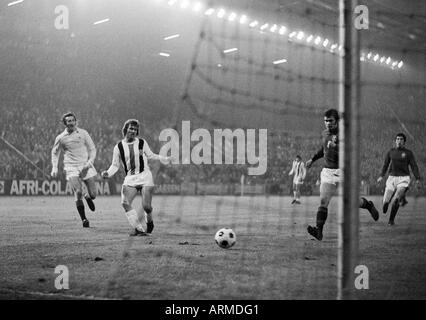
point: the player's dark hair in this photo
(401, 135)
(68, 114)
(298, 157)
(129, 122)
(332, 113)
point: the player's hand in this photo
(105, 175)
(380, 179)
(54, 173)
(309, 163)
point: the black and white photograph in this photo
(212, 155)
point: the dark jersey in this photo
(329, 149)
(398, 160)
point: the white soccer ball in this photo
(225, 238)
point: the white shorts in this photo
(74, 171)
(139, 180)
(392, 183)
(332, 176)
(297, 181)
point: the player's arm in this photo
(115, 164)
(385, 167)
(303, 168)
(316, 156)
(91, 150)
(414, 168)
(151, 155)
(292, 169)
(55, 153)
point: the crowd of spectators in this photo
(32, 128)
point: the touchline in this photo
(210, 150)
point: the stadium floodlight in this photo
(382, 59)
(333, 46)
(317, 40)
(171, 2)
(376, 57)
(394, 64)
(273, 28)
(164, 54)
(282, 30)
(400, 64)
(254, 23)
(209, 12)
(309, 39)
(340, 47)
(184, 4)
(325, 43)
(264, 26)
(101, 21)
(362, 58)
(221, 13)
(369, 55)
(243, 19)
(300, 35)
(279, 61)
(230, 50)
(232, 16)
(197, 7)
(172, 37)
(14, 2)
(388, 60)
(292, 34)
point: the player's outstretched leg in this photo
(91, 194)
(128, 194)
(77, 187)
(387, 198)
(80, 208)
(394, 210)
(402, 199)
(369, 205)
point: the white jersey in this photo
(134, 157)
(78, 148)
(299, 171)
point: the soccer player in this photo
(79, 156)
(398, 160)
(134, 153)
(298, 171)
(330, 174)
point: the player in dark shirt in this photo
(398, 160)
(331, 173)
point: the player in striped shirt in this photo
(299, 171)
(133, 153)
(398, 160)
(79, 156)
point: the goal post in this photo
(349, 100)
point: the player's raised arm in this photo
(151, 155)
(413, 164)
(115, 164)
(55, 153)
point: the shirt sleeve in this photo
(115, 164)
(151, 155)
(318, 155)
(56, 151)
(91, 149)
(414, 167)
(386, 164)
(303, 168)
(292, 169)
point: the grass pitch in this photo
(274, 257)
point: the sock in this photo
(80, 208)
(321, 217)
(148, 215)
(364, 204)
(394, 210)
(132, 217)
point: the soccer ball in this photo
(225, 238)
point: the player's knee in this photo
(92, 195)
(324, 202)
(78, 194)
(126, 206)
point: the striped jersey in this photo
(299, 171)
(133, 156)
(78, 148)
